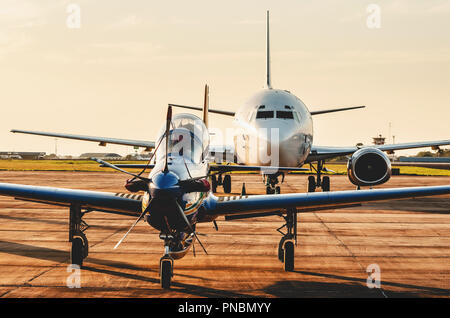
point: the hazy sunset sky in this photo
(115, 75)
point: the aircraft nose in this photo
(279, 145)
(164, 184)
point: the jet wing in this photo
(322, 153)
(102, 140)
(239, 205)
(118, 203)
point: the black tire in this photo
(214, 184)
(166, 274)
(227, 183)
(311, 184)
(76, 253)
(281, 250)
(277, 190)
(289, 256)
(326, 184)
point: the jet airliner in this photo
(287, 136)
(176, 196)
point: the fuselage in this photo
(186, 160)
(273, 128)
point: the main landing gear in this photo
(286, 246)
(166, 263)
(272, 181)
(80, 244)
(219, 181)
(318, 181)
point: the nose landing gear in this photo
(319, 181)
(272, 181)
(166, 263)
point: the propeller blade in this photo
(183, 216)
(168, 121)
(110, 165)
(134, 224)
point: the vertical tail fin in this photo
(206, 106)
(268, 80)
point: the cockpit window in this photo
(285, 114)
(265, 114)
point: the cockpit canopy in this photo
(188, 137)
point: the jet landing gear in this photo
(166, 263)
(286, 246)
(272, 181)
(219, 181)
(319, 182)
(80, 244)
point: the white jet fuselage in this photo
(273, 128)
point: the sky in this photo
(114, 73)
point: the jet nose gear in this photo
(272, 181)
(319, 181)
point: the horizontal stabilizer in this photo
(335, 110)
(216, 111)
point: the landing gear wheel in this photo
(76, 253)
(214, 184)
(269, 190)
(326, 184)
(288, 256)
(166, 273)
(281, 249)
(227, 183)
(277, 190)
(311, 184)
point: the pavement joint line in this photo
(346, 248)
(28, 282)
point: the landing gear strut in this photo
(166, 263)
(319, 182)
(80, 244)
(225, 182)
(272, 181)
(286, 245)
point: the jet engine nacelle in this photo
(369, 167)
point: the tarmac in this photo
(407, 240)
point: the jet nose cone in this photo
(164, 184)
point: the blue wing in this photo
(235, 205)
(120, 203)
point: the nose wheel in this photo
(319, 181)
(272, 181)
(166, 263)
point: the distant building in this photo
(380, 140)
(22, 155)
(101, 155)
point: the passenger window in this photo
(264, 114)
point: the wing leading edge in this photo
(119, 203)
(323, 152)
(101, 140)
(216, 206)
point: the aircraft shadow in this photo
(59, 256)
(352, 287)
